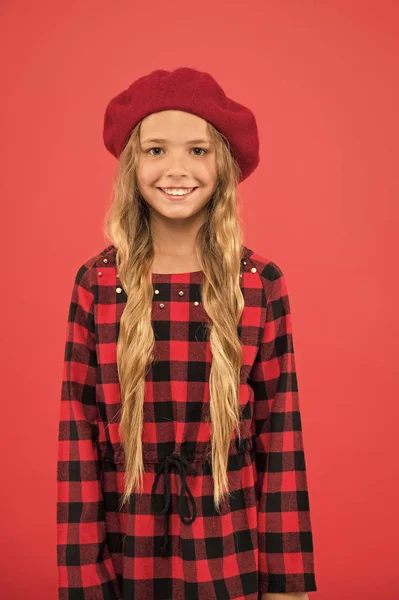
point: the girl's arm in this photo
(286, 563)
(85, 568)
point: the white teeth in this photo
(177, 192)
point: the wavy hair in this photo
(219, 250)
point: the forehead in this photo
(173, 124)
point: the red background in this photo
(321, 78)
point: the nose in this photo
(176, 165)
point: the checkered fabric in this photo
(169, 542)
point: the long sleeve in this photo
(286, 561)
(85, 568)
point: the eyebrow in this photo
(162, 141)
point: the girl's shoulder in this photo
(105, 255)
(87, 272)
(267, 269)
(261, 274)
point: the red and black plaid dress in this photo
(169, 542)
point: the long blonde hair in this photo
(220, 251)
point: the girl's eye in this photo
(202, 150)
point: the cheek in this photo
(209, 171)
(205, 174)
(147, 172)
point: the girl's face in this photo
(182, 156)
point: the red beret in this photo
(189, 90)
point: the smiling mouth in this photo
(178, 196)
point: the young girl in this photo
(181, 467)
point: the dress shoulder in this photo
(268, 270)
(86, 269)
(98, 259)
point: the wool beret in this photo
(191, 91)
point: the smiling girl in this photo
(181, 466)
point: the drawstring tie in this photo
(180, 464)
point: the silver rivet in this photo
(156, 292)
(196, 303)
(253, 270)
(181, 293)
(161, 305)
(118, 290)
(240, 274)
(105, 260)
(117, 275)
(99, 273)
(244, 262)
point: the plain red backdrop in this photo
(321, 78)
